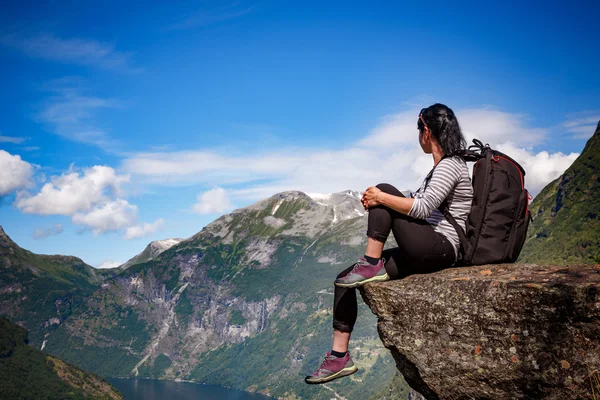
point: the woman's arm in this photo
(444, 178)
(373, 196)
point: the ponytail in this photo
(444, 127)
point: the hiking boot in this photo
(332, 368)
(362, 273)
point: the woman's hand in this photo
(370, 197)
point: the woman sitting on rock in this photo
(427, 242)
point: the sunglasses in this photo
(421, 117)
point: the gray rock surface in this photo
(512, 331)
(153, 250)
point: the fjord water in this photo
(150, 389)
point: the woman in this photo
(426, 240)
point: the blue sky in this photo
(125, 122)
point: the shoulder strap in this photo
(459, 230)
(475, 152)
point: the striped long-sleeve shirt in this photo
(448, 180)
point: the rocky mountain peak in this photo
(3, 235)
(344, 205)
(6, 243)
(337, 198)
(153, 250)
(158, 246)
(292, 195)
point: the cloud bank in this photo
(92, 197)
(389, 153)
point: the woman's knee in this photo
(387, 188)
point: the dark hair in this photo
(444, 127)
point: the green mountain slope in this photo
(40, 291)
(244, 303)
(27, 373)
(566, 225)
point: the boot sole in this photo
(381, 278)
(344, 372)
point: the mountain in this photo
(566, 214)
(245, 303)
(27, 373)
(40, 291)
(151, 251)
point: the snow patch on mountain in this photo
(153, 250)
(158, 246)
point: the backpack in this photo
(497, 224)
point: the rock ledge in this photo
(510, 331)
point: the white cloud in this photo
(14, 173)
(495, 127)
(51, 231)
(213, 201)
(394, 130)
(92, 197)
(490, 125)
(582, 125)
(389, 153)
(73, 192)
(108, 216)
(145, 229)
(71, 114)
(72, 51)
(188, 166)
(109, 264)
(540, 168)
(12, 139)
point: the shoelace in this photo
(361, 262)
(327, 358)
(356, 265)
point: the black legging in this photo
(420, 250)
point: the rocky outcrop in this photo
(512, 331)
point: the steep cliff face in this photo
(40, 291)
(512, 331)
(566, 214)
(244, 303)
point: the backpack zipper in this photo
(513, 231)
(497, 158)
(486, 188)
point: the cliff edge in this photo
(510, 331)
